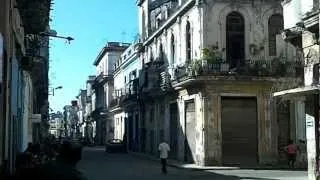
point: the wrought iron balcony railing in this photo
(250, 68)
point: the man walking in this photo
(164, 149)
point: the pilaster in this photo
(212, 130)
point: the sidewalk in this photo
(177, 164)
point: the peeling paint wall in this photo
(214, 134)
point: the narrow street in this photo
(97, 165)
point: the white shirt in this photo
(164, 149)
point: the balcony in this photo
(124, 95)
(249, 70)
(170, 7)
(102, 78)
(165, 81)
(35, 15)
(173, 14)
(116, 102)
(131, 89)
(154, 80)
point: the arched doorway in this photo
(235, 32)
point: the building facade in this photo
(82, 103)
(103, 87)
(208, 72)
(89, 122)
(56, 124)
(301, 23)
(23, 76)
(124, 106)
(71, 120)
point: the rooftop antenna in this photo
(123, 36)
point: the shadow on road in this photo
(97, 165)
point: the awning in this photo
(301, 91)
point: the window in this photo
(151, 115)
(151, 56)
(143, 28)
(235, 39)
(188, 42)
(133, 74)
(158, 22)
(161, 53)
(173, 49)
(275, 25)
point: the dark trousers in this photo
(164, 165)
(291, 160)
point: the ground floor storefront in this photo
(310, 118)
(217, 124)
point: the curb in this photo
(181, 166)
(172, 164)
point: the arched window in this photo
(275, 25)
(151, 56)
(188, 42)
(161, 56)
(143, 24)
(235, 39)
(173, 50)
(158, 23)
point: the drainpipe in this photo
(317, 115)
(316, 109)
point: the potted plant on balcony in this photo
(196, 67)
(279, 66)
(210, 58)
(225, 66)
(205, 58)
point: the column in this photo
(300, 119)
(181, 130)
(201, 127)
(267, 148)
(311, 137)
(212, 127)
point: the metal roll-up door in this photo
(239, 131)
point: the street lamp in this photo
(59, 87)
(53, 33)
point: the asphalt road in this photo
(98, 165)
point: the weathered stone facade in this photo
(302, 30)
(191, 109)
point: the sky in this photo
(92, 24)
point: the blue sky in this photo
(91, 23)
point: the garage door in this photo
(239, 131)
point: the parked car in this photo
(115, 146)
